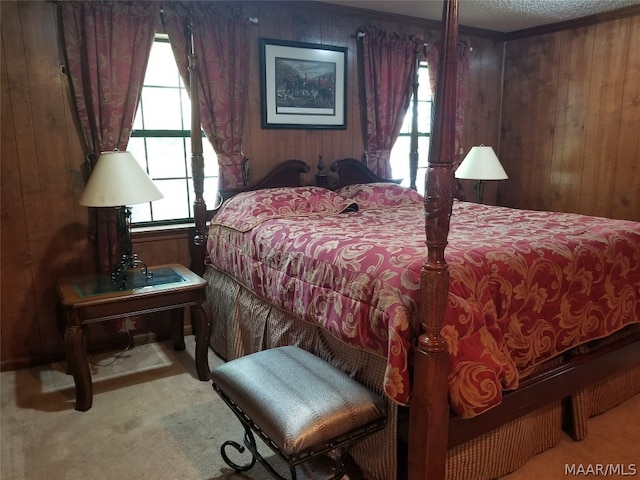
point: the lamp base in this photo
(129, 259)
(478, 187)
(119, 273)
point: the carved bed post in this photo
(413, 149)
(429, 412)
(197, 162)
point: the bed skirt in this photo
(244, 323)
(603, 395)
(507, 448)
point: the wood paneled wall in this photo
(44, 230)
(571, 121)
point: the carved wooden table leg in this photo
(78, 364)
(203, 332)
(177, 328)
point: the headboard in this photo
(351, 171)
(286, 174)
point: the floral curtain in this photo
(107, 46)
(462, 86)
(389, 65)
(222, 50)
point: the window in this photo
(161, 143)
(401, 149)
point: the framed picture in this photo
(302, 85)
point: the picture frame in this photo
(302, 85)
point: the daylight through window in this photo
(160, 141)
(402, 147)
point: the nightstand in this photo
(94, 298)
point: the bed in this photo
(501, 322)
(300, 265)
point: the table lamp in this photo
(480, 164)
(118, 180)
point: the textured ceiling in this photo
(498, 15)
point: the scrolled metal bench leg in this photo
(231, 463)
(250, 442)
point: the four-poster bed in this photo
(243, 322)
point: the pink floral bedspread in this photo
(525, 286)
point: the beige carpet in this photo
(151, 418)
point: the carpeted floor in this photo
(151, 418)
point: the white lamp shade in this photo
(481, 163)
(118, 180)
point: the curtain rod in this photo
(360, 34)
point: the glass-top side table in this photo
(136, 279)
(93, 298)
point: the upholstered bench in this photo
(301, 406)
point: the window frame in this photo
(423, 68)
(184, 134)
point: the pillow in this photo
(247, 209)
(380, 195)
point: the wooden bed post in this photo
(429, 412)
(197, 162)
(413, 149)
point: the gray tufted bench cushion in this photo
(297, 402)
